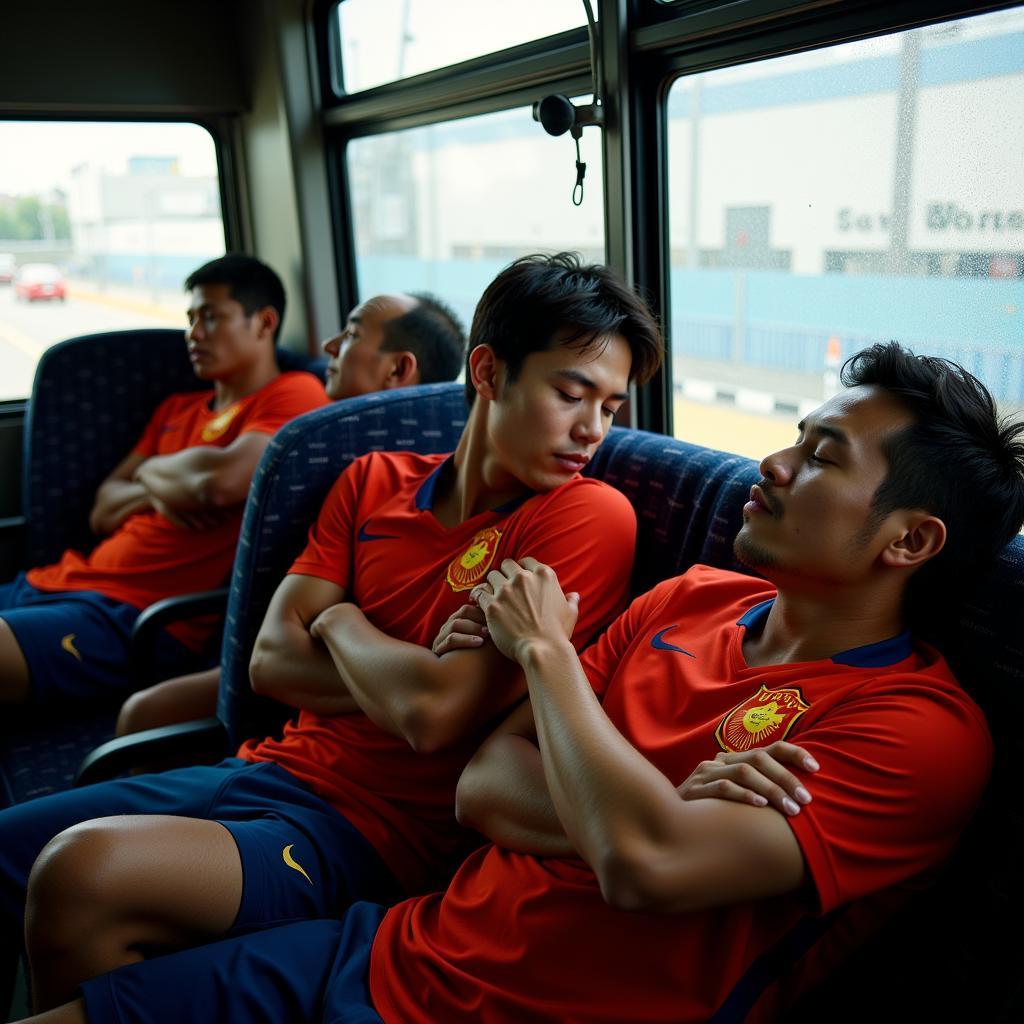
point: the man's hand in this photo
(757, 777)
(524, 606)
(465, 628)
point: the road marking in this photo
(16, 339)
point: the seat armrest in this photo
(201, 738)
(158, 616)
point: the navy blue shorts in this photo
(300, 858)
(76, 642)
(314, 971)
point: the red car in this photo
(39, 281)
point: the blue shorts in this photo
(76, 642)
(300, 858)
(314, 971)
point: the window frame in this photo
(645, 47)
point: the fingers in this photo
(758, 777)
(458, 642)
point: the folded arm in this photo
(649, 849)
(287, 663)
(118, 497)
(503, 795)
(408, 690)
(204, 478)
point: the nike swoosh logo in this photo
(68, 643)
(286, 855)
(363, 535)
(664, 645)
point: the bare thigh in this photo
(162, 880)
(14, 680)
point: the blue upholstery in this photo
(688, 500)
(91, 399)
(297, 470)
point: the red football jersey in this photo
(377, 537)
(148, 557)
(904, 756)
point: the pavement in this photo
(165, 306)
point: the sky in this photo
(37, 156)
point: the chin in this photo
(752, 555)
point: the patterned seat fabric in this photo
(688, 500)
(91, 399)
(293, 478)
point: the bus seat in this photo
(91, 399)
(291, 482)
(688, 501)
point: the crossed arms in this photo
(186, 487)
(649, 849)
(571, 783)
(318, 652)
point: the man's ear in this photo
(268, 320)
(921, 537)
(483, 371)
(404, 370)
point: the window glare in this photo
(99, 225)
(822, 202)
(444, 208)
(386, 40)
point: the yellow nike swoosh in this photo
(68, 643)
(286, 855)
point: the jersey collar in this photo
(877, 655)
(425, 494)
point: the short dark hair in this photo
(542, 300)
(959, 460)
(253, 284)
(433, 333)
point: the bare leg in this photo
(69, 1013)
(114, 891)
(174, 700)
(14, 680)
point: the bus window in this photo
(387, 40)
(100, 223)
(824, 201)
(443, 208)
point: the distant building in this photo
(149, 226)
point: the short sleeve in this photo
(587, 534)
(291, 395)
(601, 661)
(147, 444)
(328, 554)
(902, 770)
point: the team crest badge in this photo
(765, 717)
(469, 568)
(220, 423)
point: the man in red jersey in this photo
(607, 897)
(357, 798)
(389, 341)
(170, 512)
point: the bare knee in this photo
(174, 700)
(71, 888)
(14, 674)
(136, 713)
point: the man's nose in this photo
(777, 468)
(589, 427)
